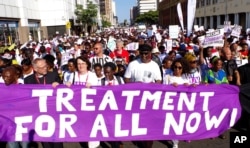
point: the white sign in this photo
(236, 31)
(174, 31)
(169, 45)
(214, 38)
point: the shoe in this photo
(175, 146)
(222, 136)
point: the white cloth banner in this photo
(191, 14)
(180, 15)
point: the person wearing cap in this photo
(139, 71)
(194, 76)
(143, 70)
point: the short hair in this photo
(72, 60)
(35, 61)
(111, 65)
(26, 62)
(145, 47)
(97, 65)
(11, 69)
(84, 60)
(185, 66)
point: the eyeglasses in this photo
(178, 67)
(144, 53)
(193, 62)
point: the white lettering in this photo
(99, 125)
(61, 99)
(171, 122)
(66, 122)
(136, 130)
(156, 97)
(210, 122)
(51, 126)
(85, 101)
(206, 96)
(194, 128)
(108, 99)
(20, 130)
(130, 97)
(189, 103)
(43, 95)
(233, 117)
(168, 101)
(118, 131)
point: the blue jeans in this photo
(16, 144)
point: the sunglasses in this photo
(144, 53)
(178, 67)
(193, 62)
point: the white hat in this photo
(155, 50)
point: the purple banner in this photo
(125, 112)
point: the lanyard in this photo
(79, 78)
(38, 81)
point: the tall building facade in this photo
(106, 10)
(213, 13)
(146, 5)
(168, 12)
(20, 19)
(133, 14)
(115, 18)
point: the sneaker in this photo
(175, 146)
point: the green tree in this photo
(105, 23)
(87, 16)
(125, 22)
(148, 18)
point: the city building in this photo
(213, 13)
(21, 20)
(133, 14)
(168, 13)
(115, 18)
(106, 10)
(146, 5)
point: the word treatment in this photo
(125, 113)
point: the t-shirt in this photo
(143, 72)
(102, 60)
(179, 80)
(89, 77)
(218, 77)
(123, 54)
(111, 82)
(194, 77)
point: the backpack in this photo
(117, 77)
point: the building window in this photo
(215, 1)
(208, 2)
(8, 32)
(202, 3)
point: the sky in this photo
(123, 9)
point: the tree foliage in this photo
(106, 23)
(86, 16)
(149, 18)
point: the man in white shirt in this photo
(99, 56)
(143, 69)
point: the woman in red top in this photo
(120, 52)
